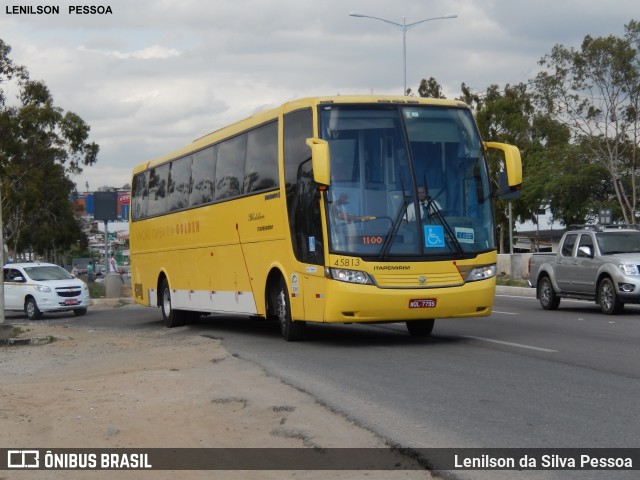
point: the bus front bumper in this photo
(352, 303)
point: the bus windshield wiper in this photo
(397, 221)
(433, 206)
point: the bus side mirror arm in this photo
(320, 161)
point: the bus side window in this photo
(261, 169)
(203, 170)
(179, 180)
(158, 179)
(140, 196)
(230, 167)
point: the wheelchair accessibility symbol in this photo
(433, 236)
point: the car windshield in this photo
(48, 272)
(618, 242)
(406, 181)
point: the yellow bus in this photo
(309, 213)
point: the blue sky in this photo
(155, 75)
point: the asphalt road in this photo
(523, 377)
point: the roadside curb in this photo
(10, 342)
(519, 291)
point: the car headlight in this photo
(43, 288)
(629, 269)
(350, 276)
(481, 273)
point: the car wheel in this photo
(79, 312)
(31, 309)
(291, 330)
(548, 298)
(608, 299)
(172, 318)
(420, 328)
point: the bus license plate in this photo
(71, 302)
(422, 303)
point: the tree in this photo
(429, 88)
(40, 146)
(595, 93)
(505, 116)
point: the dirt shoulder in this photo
(98, 389)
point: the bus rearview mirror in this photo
(512, 163)
(320, 160)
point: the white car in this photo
(37, 288)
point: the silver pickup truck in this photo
(593, 263)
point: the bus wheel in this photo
(420, 328)
(291, 330)
(172, 318)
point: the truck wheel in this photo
(547, 295)
(608, 299)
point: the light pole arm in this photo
(395, 24)
(404, 26)
(411, 25)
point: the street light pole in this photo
(404, 26)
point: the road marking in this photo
(517, 296)
(519, 345)
(505, 313)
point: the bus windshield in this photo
(406, 181)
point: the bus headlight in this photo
(350, 276)
(481, 273)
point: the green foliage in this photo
(97, 290)
(595, 93)
(40, 146)
(429, 88)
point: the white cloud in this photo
(152, 52)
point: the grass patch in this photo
(506, 281)
(17, 331)
(97, 290)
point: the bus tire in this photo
(420, 328)
(172, 318)
(291, 330)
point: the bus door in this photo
(310, 241)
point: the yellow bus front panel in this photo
(346, 302)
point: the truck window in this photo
(585, 241)
(569, 243)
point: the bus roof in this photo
(271, 114)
